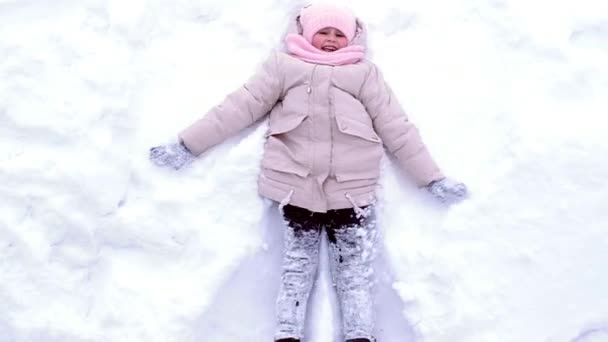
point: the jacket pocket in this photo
(285, 175)
(354, 182)
(347, 176)
(357, 129)
(285, 166)
(283, 122)
(284, 160)
(357, 152)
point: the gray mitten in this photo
(174, 155)
(447, 190)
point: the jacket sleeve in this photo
(399, 134)
(238, 110)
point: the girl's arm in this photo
(240, 109)
(398, 133)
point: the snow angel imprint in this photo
(330, 115)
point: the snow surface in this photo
(97, 244)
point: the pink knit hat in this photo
(319, 16)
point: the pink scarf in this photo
(301, 48)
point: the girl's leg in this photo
(300, 260)
(351, 240)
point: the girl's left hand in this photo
(448, 190)
(174, 155)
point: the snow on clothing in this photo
(327, 127)
(351, 239)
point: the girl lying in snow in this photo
(330, 115)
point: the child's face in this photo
(329, 39)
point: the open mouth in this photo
(329, 48)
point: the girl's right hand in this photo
(174, 155)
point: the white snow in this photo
(97, 244)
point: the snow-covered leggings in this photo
(351, 254)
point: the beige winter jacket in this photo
(328, 125)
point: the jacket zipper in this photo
(312, 124)
(332, 119)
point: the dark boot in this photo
(288, 340)
(359, 340)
